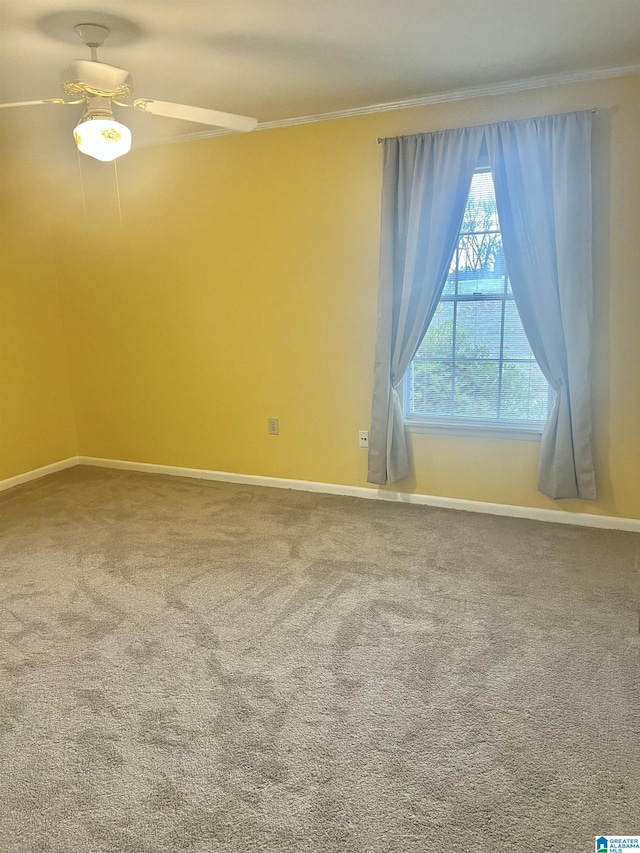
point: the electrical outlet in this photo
(364, 437)
(274, 426)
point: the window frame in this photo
(506, 428)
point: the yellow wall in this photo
(36, 418)
(244, 283)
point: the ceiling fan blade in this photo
(33, 103)
(229, 121)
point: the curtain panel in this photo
(426, 181)
(542, 175)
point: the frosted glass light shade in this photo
(102, 138)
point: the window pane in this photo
(480, 213)
(475, 361)
(476, 389)
(438, 342)
(516, 344)
(478, 329)
(481, 265)
(525, 392)
(478, 283)
(432, 387)
(450, 285)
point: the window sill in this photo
(508, 432)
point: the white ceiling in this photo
(278, 59)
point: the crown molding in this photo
(468, 93)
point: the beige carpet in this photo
(205, 667)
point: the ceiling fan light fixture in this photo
(102, 137)
(97, 84)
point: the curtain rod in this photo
(384, 138)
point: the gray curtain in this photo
(542, 174)
(426, 181)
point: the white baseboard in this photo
(28, 476)
(557, 516)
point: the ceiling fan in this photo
(98, 85)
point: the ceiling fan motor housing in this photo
(84, 77)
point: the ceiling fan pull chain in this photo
(84, 200)
(115, 169)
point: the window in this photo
(474, 369)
